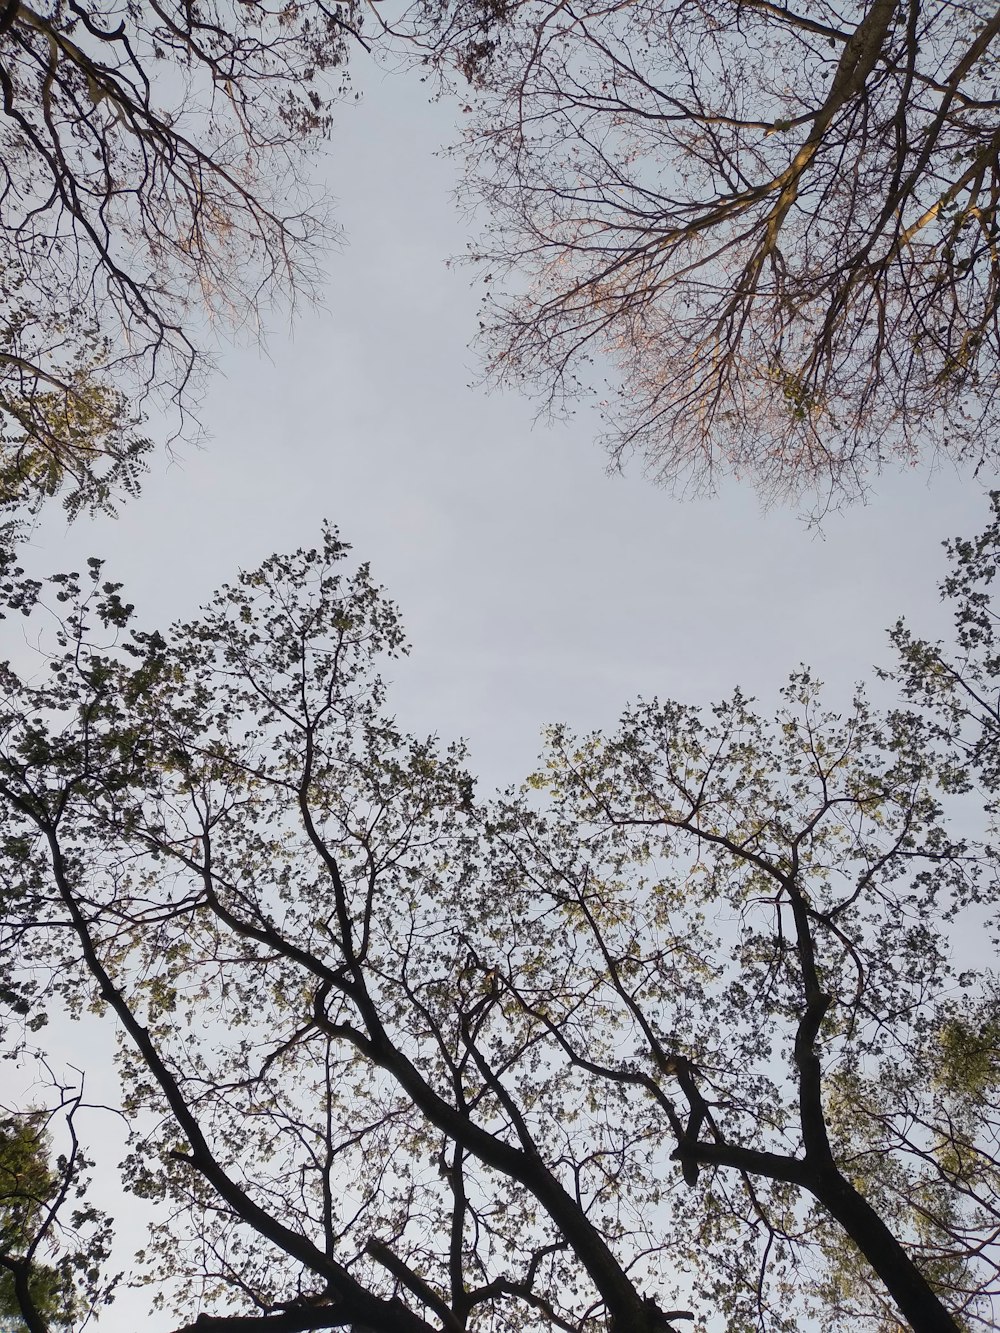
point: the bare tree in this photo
(149, 177)
(778, 223)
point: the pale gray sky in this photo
(535, 588)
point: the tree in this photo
(149, 176)
(25, 1187)
(37, 1296)
(954, 685)
(676, 1025)
(779, 223)
(65, 425)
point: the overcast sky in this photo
(535, 587)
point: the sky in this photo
(535, 587)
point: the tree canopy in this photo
(672, 1032)
(149, 180)
(38, 1296)
(678, 1031)
(26, 1186)
(778, 223)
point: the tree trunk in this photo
(918, 1303)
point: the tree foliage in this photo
(65, 424)
(26, 1186)
(671, 1032)
(35, 1295)
(149, 177)
(955, 683)
(779, 222)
